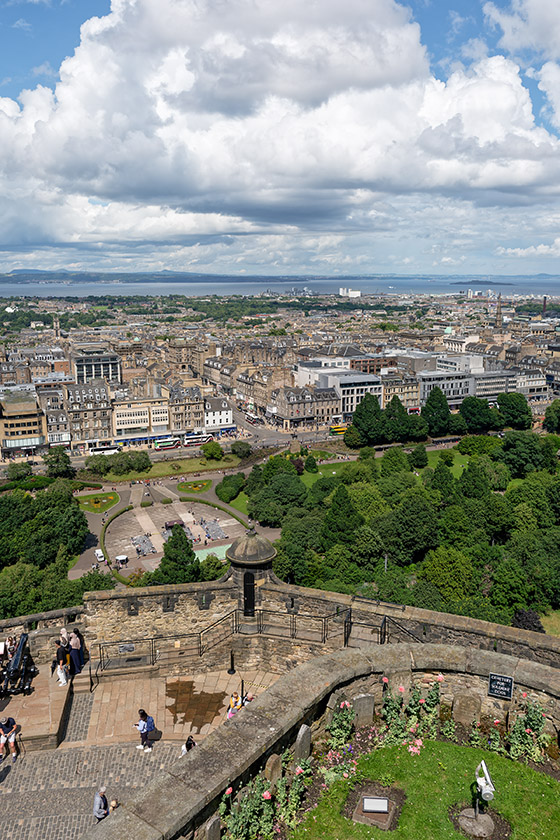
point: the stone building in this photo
(23, 427)
(89, 409)
(186, 410)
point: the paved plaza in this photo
(48, 795)
(151, 520)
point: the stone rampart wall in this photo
(173, 610)
(186, 794)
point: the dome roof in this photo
(251, 549)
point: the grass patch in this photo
(240, 503)
(98, 502)
(434, 781)
(551, 623)
(459, 461)
(160, 469)
(194, 486)
(324, 470)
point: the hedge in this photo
(146, 504)
(167, 501)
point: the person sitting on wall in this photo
(235, 703)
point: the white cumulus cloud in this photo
(261, 132)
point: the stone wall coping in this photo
(186, 792)
(44, 616)
(164, 589)
(460, 623)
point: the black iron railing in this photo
(285, 625)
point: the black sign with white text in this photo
(500, 686)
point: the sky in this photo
(325, 137)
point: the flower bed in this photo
(411, 747)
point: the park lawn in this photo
(240, 503)
(161, 469)
(324, 470)
(434, 781)
(194, 486)
(106, 501)
(551, 623)
(459, 461)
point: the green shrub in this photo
(166, 501)
(146, 504)
(230, 487)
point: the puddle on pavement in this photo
(194, 707)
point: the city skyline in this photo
(332, 138)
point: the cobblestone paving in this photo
(51, 793)
(80, 716)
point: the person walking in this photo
(144, 726)
(100, 805)
(75, 666)
(188, 745)
(8, 728)
(61, 664)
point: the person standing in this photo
(145, 725)
(8, 728)
(75, 666)
(82, 645)
(100, 805)
(61, 664)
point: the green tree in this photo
(212, 451)
(515, 410)
(443, 481)
(509, 586)
(367, 420)
(549, 452)
(179, 563)
(419, 457)
(342, 519)
(473, 482)
(411, 529)
(368, 501)
(450, 571)
(436, 413)
(393, 461)
(353, 438)
(395, 422)
(119, 463)
(140, 461)
(457, 425)
(476, 414)
(521, 452)
(98, 464)
(552, 417)
(275, 465)
(17, 472)
(311, 464)
(241, 448)
(58, 463)
(212, 568)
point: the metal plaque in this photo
(375, 805)
(500, 686)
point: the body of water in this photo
(217, 286)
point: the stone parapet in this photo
(187, 793)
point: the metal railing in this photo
(297, 626)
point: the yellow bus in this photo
(338, 430)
